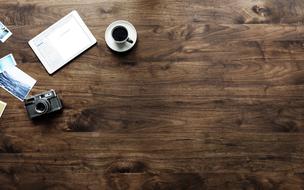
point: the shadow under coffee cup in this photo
(120, 35)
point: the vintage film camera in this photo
(42, 104)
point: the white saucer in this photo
(125, 46)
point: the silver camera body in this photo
(42, 104)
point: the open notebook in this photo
(62, 42)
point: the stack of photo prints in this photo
(12, 79)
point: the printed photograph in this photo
(13, 79)
(2, 107)
(16, 82)
(7, 61)
(4, 33)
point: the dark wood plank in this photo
(211, 97)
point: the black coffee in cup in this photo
(120, 33)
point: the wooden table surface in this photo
(211, 97)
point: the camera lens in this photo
(41, 107)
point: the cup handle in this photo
(130, 41)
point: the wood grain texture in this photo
(211, 97)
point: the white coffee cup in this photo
(120, 35)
